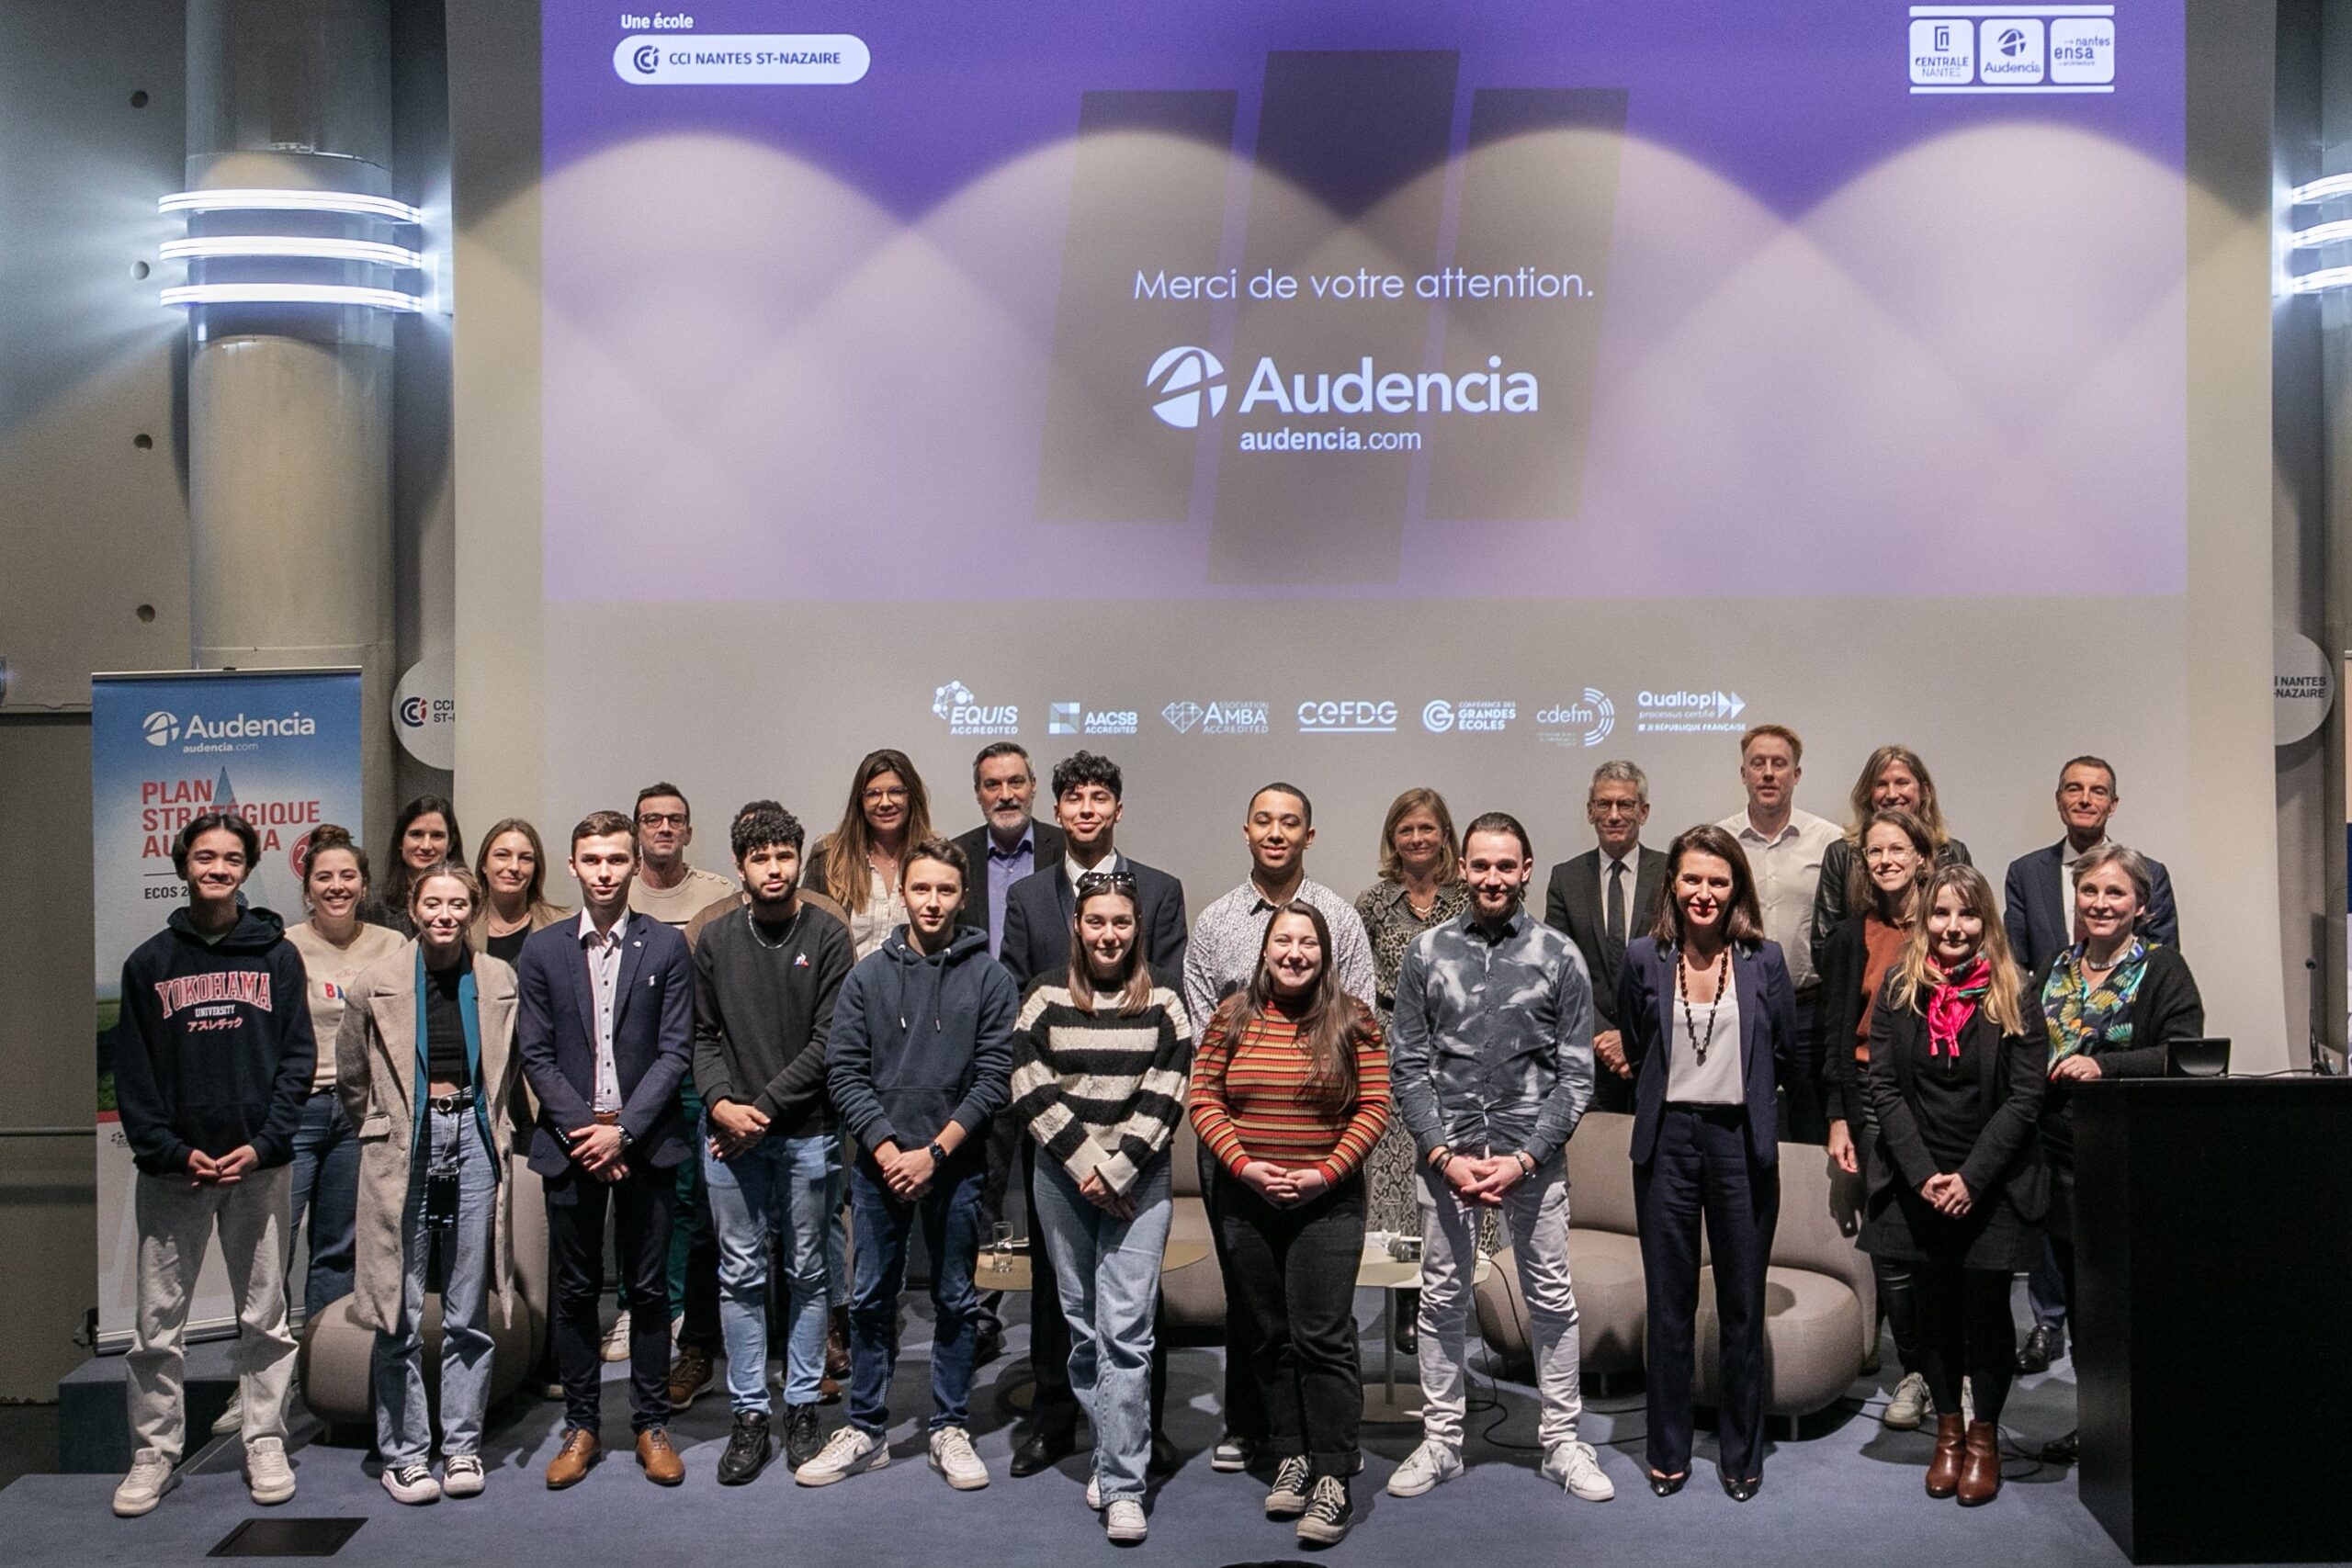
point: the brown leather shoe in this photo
(662, 1465)
(1943, 1473)
(574, 1460)
(1980, 1474)
(837, 1345)
(690, 1375)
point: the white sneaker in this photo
(233, 1419)
(150, 1476)
(1424, 1470)
(1093, 1493)
(845, 1453)
(461, 1476)
(951, 1456)
(615, 1345)
(1125, 1523)
(1910, 1404)
(267, 1475)
(1231, 1454)
(412, 1483)
(1575, 1466)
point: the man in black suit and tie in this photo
(2041, 892)
(1088, 801)
(604, 1028)
(1009, 843)
(1603, 900)
(2040, 915)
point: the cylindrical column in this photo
(290, 403)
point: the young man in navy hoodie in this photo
(212, 1061)
(920, 1057)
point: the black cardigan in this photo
(2003, 1172)
(1829, 908)
(1838, 1017)
(2166, 1007)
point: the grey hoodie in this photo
(923, 1040)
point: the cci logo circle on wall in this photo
(424, 711)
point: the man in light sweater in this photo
(765, 976)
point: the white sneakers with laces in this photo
(1575, 1466)
(951, 1456)
(1425, 1469)
(1909, 1404)
(149, 1477)
(845, 1453)
(1123, 1522)
(267, 1475)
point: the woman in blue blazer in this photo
(1709, 1021)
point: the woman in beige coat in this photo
(426, 1066)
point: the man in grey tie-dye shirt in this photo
(1490, 1060)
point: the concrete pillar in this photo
(290, 405)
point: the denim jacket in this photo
(1491, 1048)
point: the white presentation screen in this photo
(1366, 395)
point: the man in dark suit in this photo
(604, 1028)
(1088, 802)
(1009, 843)
(2040, 917)
(2040, 895)
(1603, 900)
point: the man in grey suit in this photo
(1009, 843)
(1603, 900)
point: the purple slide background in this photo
(1855, 340)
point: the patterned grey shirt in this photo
(1223, 953)
(1491, 1046)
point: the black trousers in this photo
(643, 1205)
(1898, 1298)
(1701, 1168)
(1245, 1407)
(1293, 1270)
(1056, 1408)
(1965, 1332)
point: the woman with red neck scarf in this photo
(1958, 1189)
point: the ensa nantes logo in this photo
(162, 727)
(1180, 380)
(954, 703)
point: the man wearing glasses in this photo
(667, 888)
(1603, 900)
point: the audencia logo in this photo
(1180, 380)
(162, 727)
(2012, 41)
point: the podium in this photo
(2214, 1262)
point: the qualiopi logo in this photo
(1180, 380)
(162, 727)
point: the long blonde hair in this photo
(1419, 799)
(1915, 975)
(1930, 814)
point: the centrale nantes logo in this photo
(953, 702)
(1182, 381)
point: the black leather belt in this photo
(447, 1104)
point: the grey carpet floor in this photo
(1849, 1492)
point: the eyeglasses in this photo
(877, 797)
(660, 819)
(1095, 882)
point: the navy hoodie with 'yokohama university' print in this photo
(214, 1048)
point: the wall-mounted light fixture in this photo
(327, 249)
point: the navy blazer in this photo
(1039, 908)
(1771, 1058)
(653, 1029)
(2039, 925)
(1046, 843)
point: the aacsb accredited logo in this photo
(1467, 717)
(1689, 712)
(954, 703)
(1185, 381)
(1583, 722)
(1352, 715)
(1217, 718)
(1076, 718)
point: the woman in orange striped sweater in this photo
(1290, 1091)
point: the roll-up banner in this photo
(278, 747)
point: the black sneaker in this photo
(1287, 1499)
(801, 1440)
(1330, 1512)
(749, 1449)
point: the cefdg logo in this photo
(1180, 380)
(162, 728)
(954, 703)
(1354, 715)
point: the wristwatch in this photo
(1440, 1156)
(626, 1139)
(938, 1154)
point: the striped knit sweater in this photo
(1100, 1092)
(1249, 1101)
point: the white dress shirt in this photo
(1787, 868)
(603, 956)
(1632, 864)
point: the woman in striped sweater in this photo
(1290, 1091)
(1099, 1081)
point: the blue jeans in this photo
(326, 1182)
(403, 1420)
(950, 1217)
(1107, 1272)
(789, 1187)
(2045, 1289)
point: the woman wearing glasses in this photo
(856, 865)
(1101, 1055)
